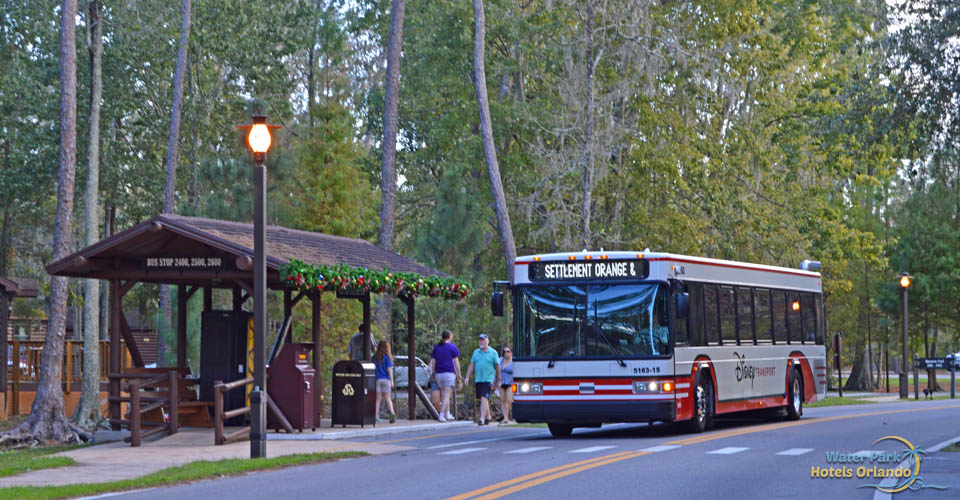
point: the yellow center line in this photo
(551, 477)
(782, 425)
(534, 475)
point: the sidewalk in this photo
(117, 460)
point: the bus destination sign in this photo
(619, 269)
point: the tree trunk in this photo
(173, 148)
(859, 380)
(388, 162)
(588, 160)
(5, 242)
(489, 149)
(47, 421)
(88, 413)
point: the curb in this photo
(366, 432)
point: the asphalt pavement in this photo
(744, 457)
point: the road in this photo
(740, 458)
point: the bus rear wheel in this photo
(795, 396)
(702, 402)
(560, 430)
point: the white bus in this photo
(602, 337)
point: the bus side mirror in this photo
(683, 305)
(496, 303)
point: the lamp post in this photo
(904, 281)
(259, 141)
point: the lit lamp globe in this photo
(905, 281)
(259, 138)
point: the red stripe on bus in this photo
(735, 266)
(750, 404)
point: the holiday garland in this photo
(342, 278)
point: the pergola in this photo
(11, 288)
(196, 253)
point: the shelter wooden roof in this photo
(19, 287)
(177, 249)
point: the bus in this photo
(606, 337)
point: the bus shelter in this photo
(10, 288)
(197, 254)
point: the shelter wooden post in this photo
(181, 327)
(207, 298)
(411, 355)
(365, 300)
(320, 401)
(237, 298)
(287, 310)
(4, 321)
(115, 353)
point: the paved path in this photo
(118, 460)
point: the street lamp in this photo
(259, 141)
(904, 281)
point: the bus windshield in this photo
(591, 321)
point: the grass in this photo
(25, 460)
(193, 471)
(535, 426)
(835, 401)
(955, 447)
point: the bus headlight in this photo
(651, 387)
(530, 388)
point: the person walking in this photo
(487, 364)
(383, 361)
(506, 384)
(445, 367)
(355, 347)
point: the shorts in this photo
(483, 389)
(384, 385)
(446, 379)
(506, 387)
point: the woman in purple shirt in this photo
(445, 367)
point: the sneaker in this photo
(442, 419)
(393, 417)
(449, 416)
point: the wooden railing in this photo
(148, 401)
(24, 361)
(219, 389)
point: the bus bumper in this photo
(594, 411)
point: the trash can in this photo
(291, 387)
(354, 393)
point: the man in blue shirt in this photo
(487, 363)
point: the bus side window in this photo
(711, 321)
(696, 314)
(764, 320)
(728, 316)
(745, 316)
(779, 306)
(794, 325)
(809, 318)
(681, 326)
(818, 305)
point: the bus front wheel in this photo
(795, 401)
(702, 402)
(560, 430)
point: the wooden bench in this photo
(192, 412)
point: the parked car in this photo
(400, 371)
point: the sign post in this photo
(836, 358)
(916, 377)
